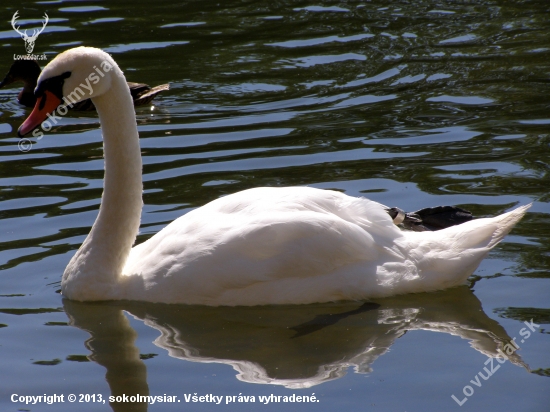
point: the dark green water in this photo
(412, 104)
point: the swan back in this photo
(301, 245)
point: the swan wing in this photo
(266, 245)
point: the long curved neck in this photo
(99, 262)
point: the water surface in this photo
(410, 104)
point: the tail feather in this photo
(145, 98)
(506, 222)
(449, 256)
(142, 94)
(483, 233)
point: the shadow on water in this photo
(293, 346)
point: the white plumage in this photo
(302, 245)
(289, 245)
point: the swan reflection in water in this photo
(294, 346)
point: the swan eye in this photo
(53, 84)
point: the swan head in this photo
(74, 75)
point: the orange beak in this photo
(44, 106)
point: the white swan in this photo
(289, 245)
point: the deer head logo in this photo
(29, 40)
